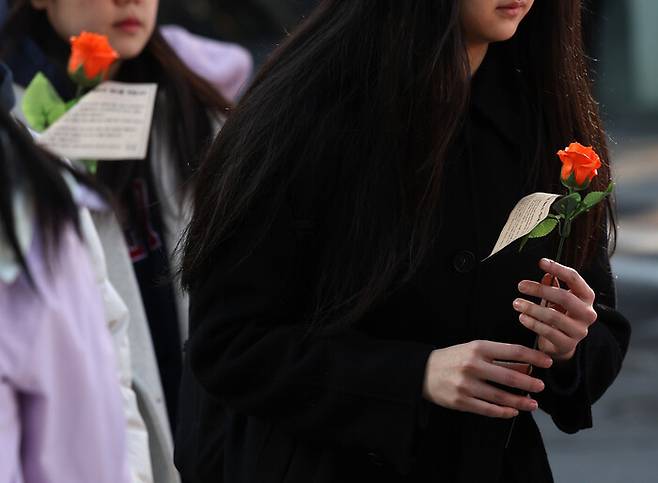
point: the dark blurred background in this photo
(256, 24)
(622, 41)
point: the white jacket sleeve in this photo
(116, 314)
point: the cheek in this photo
(477, 19)
(150, 14)
(130, 46)
(70, 17)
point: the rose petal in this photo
(579, 160)
(93, 52)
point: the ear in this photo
(39, 4)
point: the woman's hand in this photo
(569, 314)
(459, 377)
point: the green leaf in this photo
(544, 228)
(541, 230)
(593, 198)
(42, 105)
(567, 204)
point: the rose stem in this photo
(544, 303)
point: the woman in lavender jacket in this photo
(61, 417)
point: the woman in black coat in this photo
(343, 327)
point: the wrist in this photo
(561, 359)
(426, 379)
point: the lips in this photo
(513, 5)
(512, 9)
(129, 24)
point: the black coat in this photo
(272, 407)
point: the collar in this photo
(41, 51)
(497, 97)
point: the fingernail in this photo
(524, 285)
(547, 260)
(518, 304)
(533, 405)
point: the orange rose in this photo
(91, 58)
(579, 165)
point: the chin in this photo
(129, 50)
(502, 34)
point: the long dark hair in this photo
(374, 92)
(188, 100)
(24, 166)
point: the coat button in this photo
(464, 261)
(376, 459)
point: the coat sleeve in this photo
(572, 389)
(250, 349)
(70, 418)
